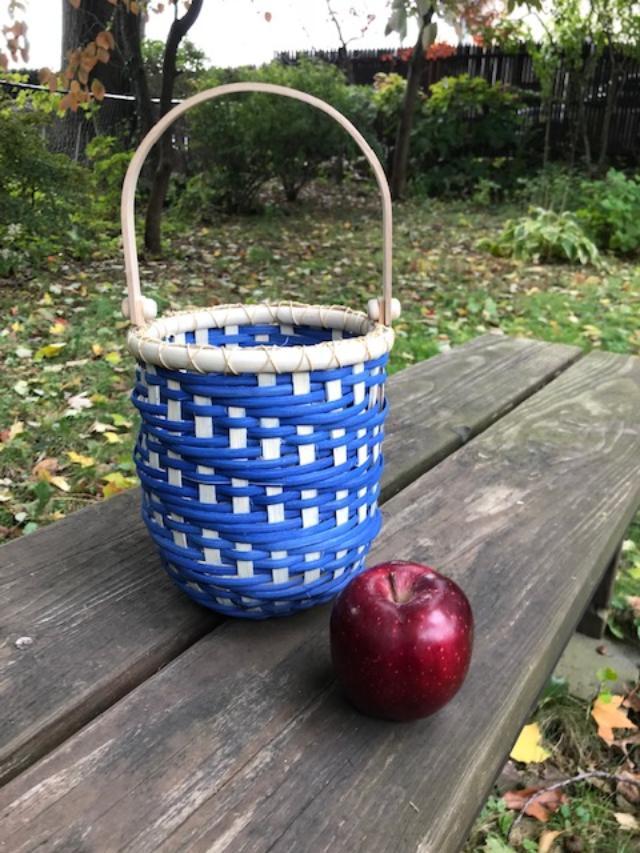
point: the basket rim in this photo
(371, 340)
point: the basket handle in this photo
(135, 305)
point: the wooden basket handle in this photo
(127, 209)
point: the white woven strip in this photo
(245, 567)
(203, 423)
(212, 555)
(231, 330)
(342, 514)
(153, 395)
(174, 474)
(358, 388)
(178, 537)
(202, 336)
(279, 575)
(362, 509)
(206, 491)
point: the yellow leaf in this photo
(97, 349)
(112, 437)
(49, 351)
(16, 428)
(46, 300)
(117, 482)
(527, 748)
(546, 840)
(60, 483)
(57, 329)
(98, 398)
(16, 327)
(79, 459)
(609, 716)
(113, 357)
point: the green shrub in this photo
(109, 163)
(39, 191)
(610, 212)
(555, 188)
(542, 236)
(466, 131)
(240, 142)
(387, 97)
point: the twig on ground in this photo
(581, 777)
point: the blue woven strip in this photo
(244, 531)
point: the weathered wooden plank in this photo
(244, 744)
(462, 392)
(103, 617)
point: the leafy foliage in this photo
(39, 191)
(190, 64)
(467, 130)
(544, 236)
(240, 142)
(610, 212)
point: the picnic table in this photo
(136, 720)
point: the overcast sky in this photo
(235, 32)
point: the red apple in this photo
(401, 638)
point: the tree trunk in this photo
(612, 93)
(129, 32)
(403, 135)
(179, 28)
(80, 26)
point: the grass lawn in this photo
(67, 427)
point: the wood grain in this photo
(244, 744)
(102, 615)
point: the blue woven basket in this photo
(259, 452)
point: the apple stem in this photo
(394, 590)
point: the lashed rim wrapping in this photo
(150, 344)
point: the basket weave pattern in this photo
(261, 490)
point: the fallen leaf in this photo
(609, 716)
(45, 468)
(80, 459)
(527, 748)
(58, 328)
(98, 398)
(98, 426)
(545, 842)
(630, 789)
(117, 482)
(113, 357)
(634, 603)
(24, 352)
(112, 437)
(625, 743)
(60, 483)
(49, 351)
(97, 349)
(16, 428)
(541, 808)
(21, 387)
(120, 420)
(626, 821)
(79, 401)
